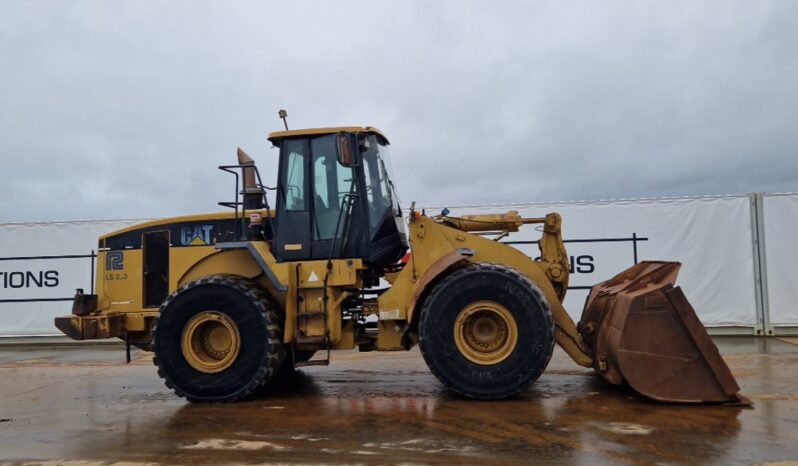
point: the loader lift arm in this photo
(552, 253)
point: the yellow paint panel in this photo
(121, 290)
(187, 218)
(235, 262)
(278, 135)
(344, 273)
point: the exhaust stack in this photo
(253, 192)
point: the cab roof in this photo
(278, 136)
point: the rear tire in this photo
(486, 331)
(217, 339)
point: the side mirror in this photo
(346, 155)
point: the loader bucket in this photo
(644, 333)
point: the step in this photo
(313, 362)
(303, 340)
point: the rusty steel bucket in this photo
(644, 333)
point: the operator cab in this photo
(335, 197)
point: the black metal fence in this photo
(92, 257)
(634, 239)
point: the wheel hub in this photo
(485, 333)
(210, 342)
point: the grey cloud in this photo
(124, 109)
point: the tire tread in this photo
(426, 311)
(272, 357)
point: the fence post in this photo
(763, 326)
(91, 282)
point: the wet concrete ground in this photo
(83, 405)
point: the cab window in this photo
(378, 189)
(295, 175)
(331, 183)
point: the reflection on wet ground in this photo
(85, 404)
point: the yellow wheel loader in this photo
(227, 300)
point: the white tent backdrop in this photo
(710, 236)
(41, 264)
(781, 247)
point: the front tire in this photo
(486, 331)
(217, 339)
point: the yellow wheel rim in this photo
(210, 342)
(485, 333)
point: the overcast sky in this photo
(124, 109)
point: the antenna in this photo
(283, 114)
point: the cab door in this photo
(336, 213)
(155, 245)
(292, 238)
